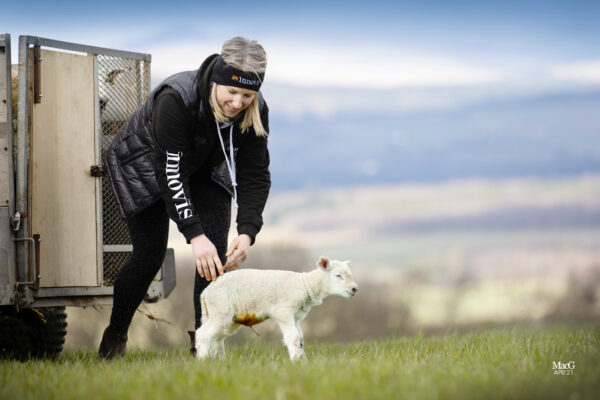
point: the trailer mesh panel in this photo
(123, 85)
(113, 262)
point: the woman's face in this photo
(233, 100)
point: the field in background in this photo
(427, 257)
(499, 363)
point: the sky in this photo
(375, 44)
(378, 58)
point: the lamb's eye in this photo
(339, 276)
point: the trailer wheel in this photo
(32, 333)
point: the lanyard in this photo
(230, 161)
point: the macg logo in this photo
(561, 368)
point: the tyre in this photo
(32, 333)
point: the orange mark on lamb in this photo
(247, 319)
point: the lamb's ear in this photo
(324, 263)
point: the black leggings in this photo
(149, 231)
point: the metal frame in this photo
(72, 295)
(81, 48)
(21, 200)
(6, 228)
(98, 156)
(5, 42)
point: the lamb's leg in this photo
(292, 337)
(301, 336)
(203, 338)
(206, 338)
(210, 337)
(224, 332)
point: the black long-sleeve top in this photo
(181, 148)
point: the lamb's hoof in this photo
(298, 357)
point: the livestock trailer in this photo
(62, 241)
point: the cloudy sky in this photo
(370, 44)
(386, 60)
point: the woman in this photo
(198, 141)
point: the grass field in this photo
(512, 363)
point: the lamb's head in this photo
(340, 277)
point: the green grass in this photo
(512, 363)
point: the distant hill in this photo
(450, 224)
(545, 135)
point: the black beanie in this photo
(225, 74)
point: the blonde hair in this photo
(248, 56)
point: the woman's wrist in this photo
(249, 231)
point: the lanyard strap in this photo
(230, 161)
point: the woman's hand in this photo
(237, 252)
(206, 258)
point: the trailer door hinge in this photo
(37, 75)
(97, 171)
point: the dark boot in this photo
(193, 343)
(113, 344)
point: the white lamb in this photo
(250, 296)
